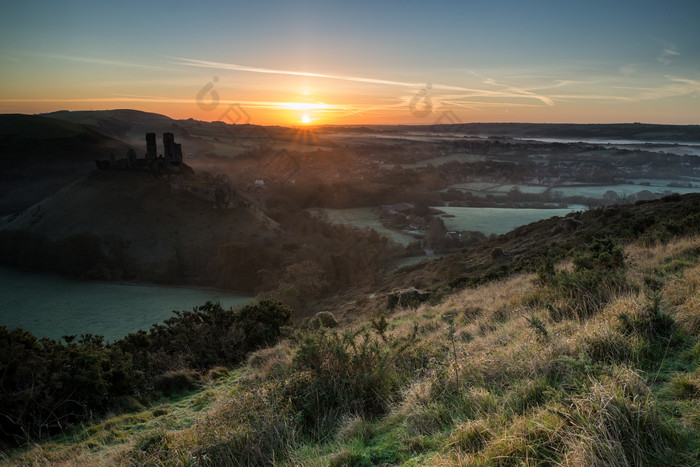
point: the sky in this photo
(362, 62)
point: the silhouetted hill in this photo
(199, 138)
(164, 234)
(40, 155)
(603, 131)
(123, 124)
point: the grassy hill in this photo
(199, 138)
(39, 156)
(591, 360)
(161, 233)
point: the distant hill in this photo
(604, 131)
(199, 138)
(40, 155)
(122, 124)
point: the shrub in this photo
(177, 382)
(411, 297)
(651, 321)
(323, 319)
(345, 373)
(207, 336)
(48, 385)
(598, 275)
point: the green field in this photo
(495, 220)
(496, 189)
(364, 218)
(53, 306)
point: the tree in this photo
(610, 197)
(435, 237)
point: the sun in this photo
(305, 119)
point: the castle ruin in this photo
(171, 161)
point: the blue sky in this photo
(544, 61)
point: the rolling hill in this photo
(39, 156)
(158, 229)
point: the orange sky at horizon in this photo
(357, 63)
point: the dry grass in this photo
(496, 395)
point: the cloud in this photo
(101, 61)
(669, 51)
(507, 92)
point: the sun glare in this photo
(305, 119)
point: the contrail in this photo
(358, 79)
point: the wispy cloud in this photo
(102, 61)
(507, 92)
(667, 53)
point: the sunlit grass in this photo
(485, 388)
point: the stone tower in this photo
(178, 153)
(151, 149)
(169, 147)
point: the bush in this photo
(651, 322)
(345, 373)
(598, 275)
(177, 382)
(48, 385)
(323, 319)
(411, 297)
(207, 336)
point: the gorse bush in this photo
(652, 321)
(597, 276)
(208, 335)
(346, 373)
(47, 385)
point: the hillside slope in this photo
(40, 155)
(158, 228)
(524, 248)
(594, 361)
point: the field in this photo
(482, 189)
(52, 306)
(485, 220)
(495, 220)
(438, 161)
(364, 218)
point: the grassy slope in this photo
(142, 209)
(493, 377)
(39, 156)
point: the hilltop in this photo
(155, 227)
(201, 138)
